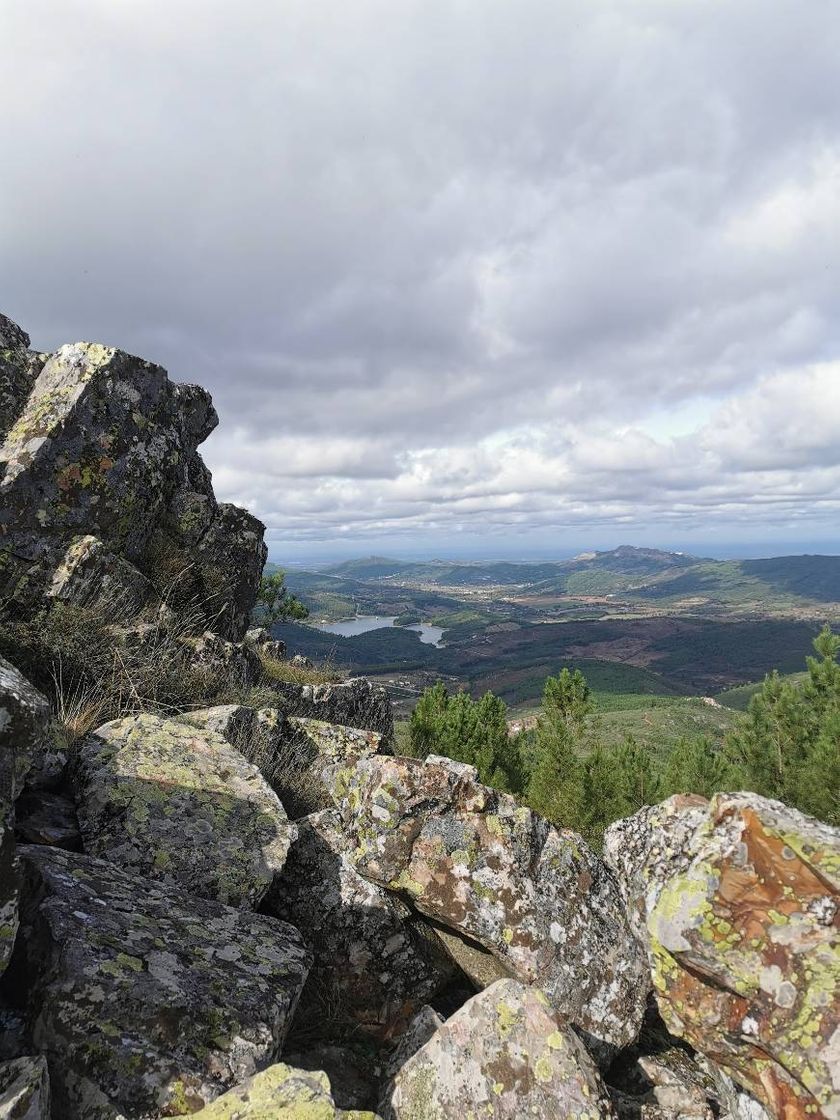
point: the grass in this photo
(287, 673)
(738, 699)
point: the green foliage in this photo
(275, 602)
(697, 766)
(787, 745)
(470, 731)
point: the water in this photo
(431, 635)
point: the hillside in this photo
(624, 580)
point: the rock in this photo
(91, 575)
(505, 1054)
(473, 959)
(167, 802)
(333, 744)
(292, 752)
(19, 368)
(266, 645)
(353, 703)
(474, 860)
(280, 1093)
(24, 713)
(418, 1032)
(24, 1090)
(101, 444)
(48, 818)
(145, 999)
(301, 662)
(95, 450)
(12, 337)
(216, 657)
(352, 1080)
(378, 969)
(740, 897)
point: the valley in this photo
(642, 624)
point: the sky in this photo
(465, 277)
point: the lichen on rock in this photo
(505, 1055)
(475, 860)
(166, 801)
(742, 925)
(144, 996)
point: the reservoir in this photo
(431, 635)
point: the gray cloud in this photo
(450, 268)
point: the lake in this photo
(431, 635)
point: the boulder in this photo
(292, 752)
(280, 1093)
(221, 660)
(417, 1033)
(352, 1073)
(332, 744)
(96, 450)
(24, 1089)
(475, 860)
(19, 367)
(89, 574)
(505, 1054)
(167, 802)
(365, 950)
(100, 444)
(144, 999)
(353, 703)
(740, 898)
(24, 714)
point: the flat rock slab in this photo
(741, 901)
(145, 1000)
(364, 948)
(24, 1089)
(505, 1055)
(168, 802)
(475, 860)
(280, 1093)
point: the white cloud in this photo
(450, 267)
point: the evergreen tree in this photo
(787, 745)
(698, 766)
(470, 731)
(275, 603)
(555, 789)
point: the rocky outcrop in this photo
(293, 752)
(353, 703)
(739, 898)
(167, 802)
(475, 860)
(506, 1054)
(99, 475)
(24, 713)
(364, 947)
(143, 998)
(24, 1090)
(280, 1093)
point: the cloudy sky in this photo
(500, 277)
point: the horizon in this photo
(317, 561)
